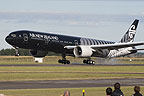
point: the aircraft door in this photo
(25, 37)
(47, 41)
(76, 42)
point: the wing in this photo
(110, 46)
(137, 49)
(117, 45)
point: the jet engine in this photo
(83, 51)
(38, 53)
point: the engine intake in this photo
(83, 51)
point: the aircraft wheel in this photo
(63, 61)
(67, 61)
(59, 61)
(90, 62)
(93, 63)
(85, 61)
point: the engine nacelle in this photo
(38, 53)
(83, 51)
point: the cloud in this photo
(65, 18)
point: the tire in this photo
(59, 61)
(85, 61)
(68, 62)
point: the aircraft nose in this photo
(7, 39)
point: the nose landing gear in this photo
(16, 51)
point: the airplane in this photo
(41, 43)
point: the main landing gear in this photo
(63, 60)
(89, 61)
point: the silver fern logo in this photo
(132, 31)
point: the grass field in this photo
(54, 59)
(27, 73)
(69, 73)
(96, 91)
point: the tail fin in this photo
(130, 34)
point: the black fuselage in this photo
(48, 41)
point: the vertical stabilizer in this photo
(130, 34)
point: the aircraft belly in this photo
(101, 53)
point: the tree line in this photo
(22, 52)
(25, 52)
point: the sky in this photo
(98, 19)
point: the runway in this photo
(69, 83)
(73, 64)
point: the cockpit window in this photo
(13, 35)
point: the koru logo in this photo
(132, 31)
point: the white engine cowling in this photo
(83, 51)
